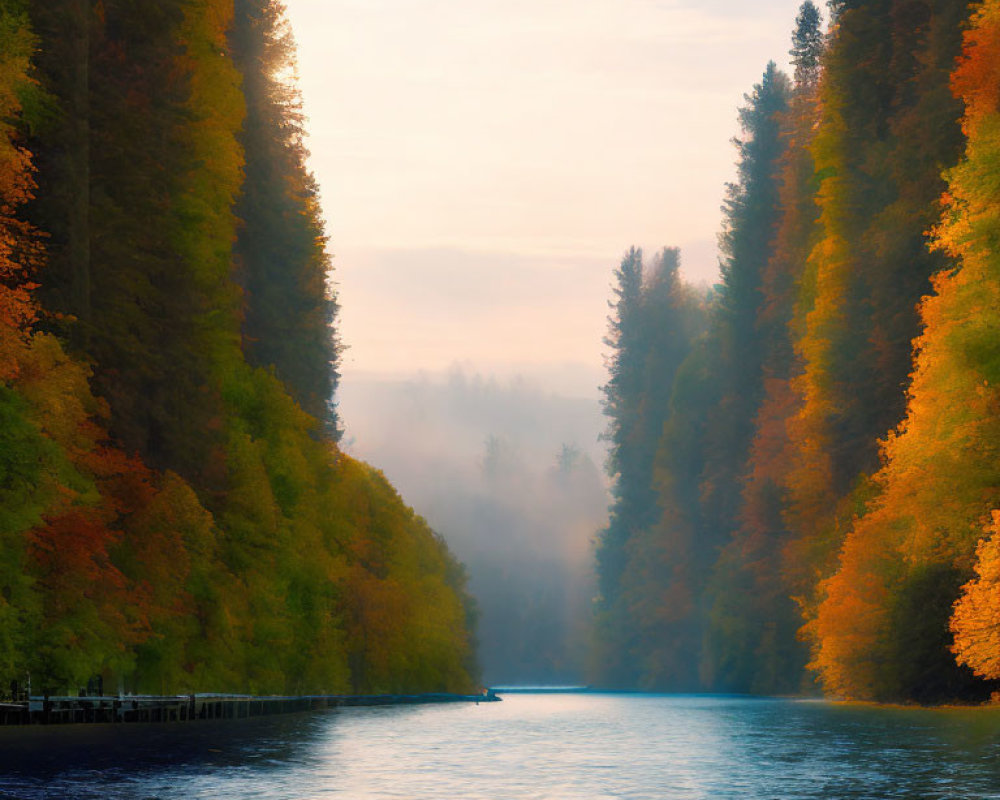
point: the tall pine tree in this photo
(284, 268)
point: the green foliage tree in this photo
(143, 129)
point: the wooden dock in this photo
(194, 707)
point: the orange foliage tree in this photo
(970, 231)
(882, 627)
(19, 251)
(976, 620)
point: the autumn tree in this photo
(976, 621)
(27, 460)
(887, 128)
(882, 628)
(764, 468)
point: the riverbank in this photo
(200, 707)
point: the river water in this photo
(572, 747)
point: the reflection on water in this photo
(582, 746)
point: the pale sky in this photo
(485, 163)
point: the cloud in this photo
(406, 309)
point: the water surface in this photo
(566, 746)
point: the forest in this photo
(175, 513)
(806, 457)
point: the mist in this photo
(511, 476)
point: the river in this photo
(571, 746)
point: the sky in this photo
(484, 164)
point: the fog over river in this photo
(511, 476)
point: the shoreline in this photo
(159, 709)
(985, 705)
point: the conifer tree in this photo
(750, 226)
(751, 643)
(289, 308)
(807, 44)
(655, 321)
(622, 396)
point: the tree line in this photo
(805, 457)
(175, 514)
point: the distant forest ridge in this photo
(806, 461)
(175, 514)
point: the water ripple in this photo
(530, 747)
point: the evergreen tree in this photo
(622, 396)
(656, 321)
(289, 307)
(807, 44)
(774, 419)
(145, 130)
(836, 8)
(750, 226)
